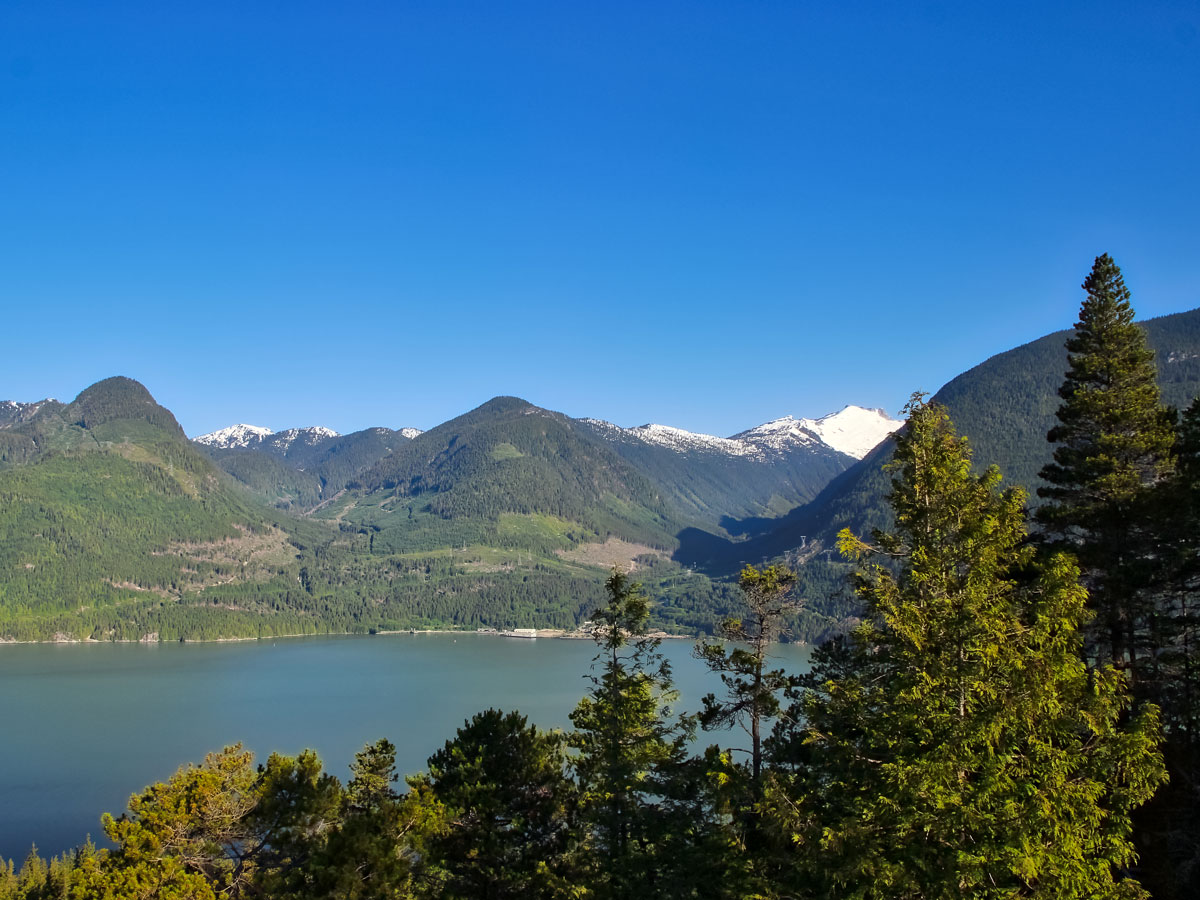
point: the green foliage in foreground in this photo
(956, 744)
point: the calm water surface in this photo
(84, 726)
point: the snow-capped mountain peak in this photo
(853, 430)
(311, 435)
(241, 437)
(235, 436)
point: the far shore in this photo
(542, 633)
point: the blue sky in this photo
(702, 214)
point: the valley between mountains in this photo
(115, 526)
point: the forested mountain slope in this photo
(300, 468)
(764, 471)
(507, 458)
(114, 526)
(110, 520)
(1005, 406)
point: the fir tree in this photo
(752, 689)
(753, 693)
(1168, 831)
(508, 807)
(632, 752)
(1113, 441)
(956, 744)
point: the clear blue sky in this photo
(703, 214)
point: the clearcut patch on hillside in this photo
(266, 548)
(613, 552)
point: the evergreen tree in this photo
(631, 752)
(374, 847)
(1174, 507)
(1113, 440)
(8, 880)
(372, 775)
(752, 699)
(955, 744)
(752, 689)
(508, 808)
(1168, 830)
(220, 827)
(31, 883)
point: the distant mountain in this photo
(299, 468)
(281, 443)
(33, 429)
(1005, 406)
(764, 471)
(235, 437)
(509, 457)
(243, 437)
(112, 525)
(14, 413)
(853, 430)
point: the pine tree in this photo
(508, 809)
(631, 750)
(752, 689)
(375, 844)
(1113, 440)
(753, 693)
(955, 744)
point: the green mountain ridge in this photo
(301, 475)
(115, 526)
(104, 511)
(509, 456)
(1004, 406)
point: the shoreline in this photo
(545, 634)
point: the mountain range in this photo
(765, 470)
(114, 525)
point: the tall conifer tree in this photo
(1114, 440)
(955, 744)
(1168, 831)
(632, 768)
(752, 689)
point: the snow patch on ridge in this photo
(240, 437)
(685, 441)
(27, 409)
(314, 434)
(853, 430)
(673, 438)
(235, 436)
(780, 434)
